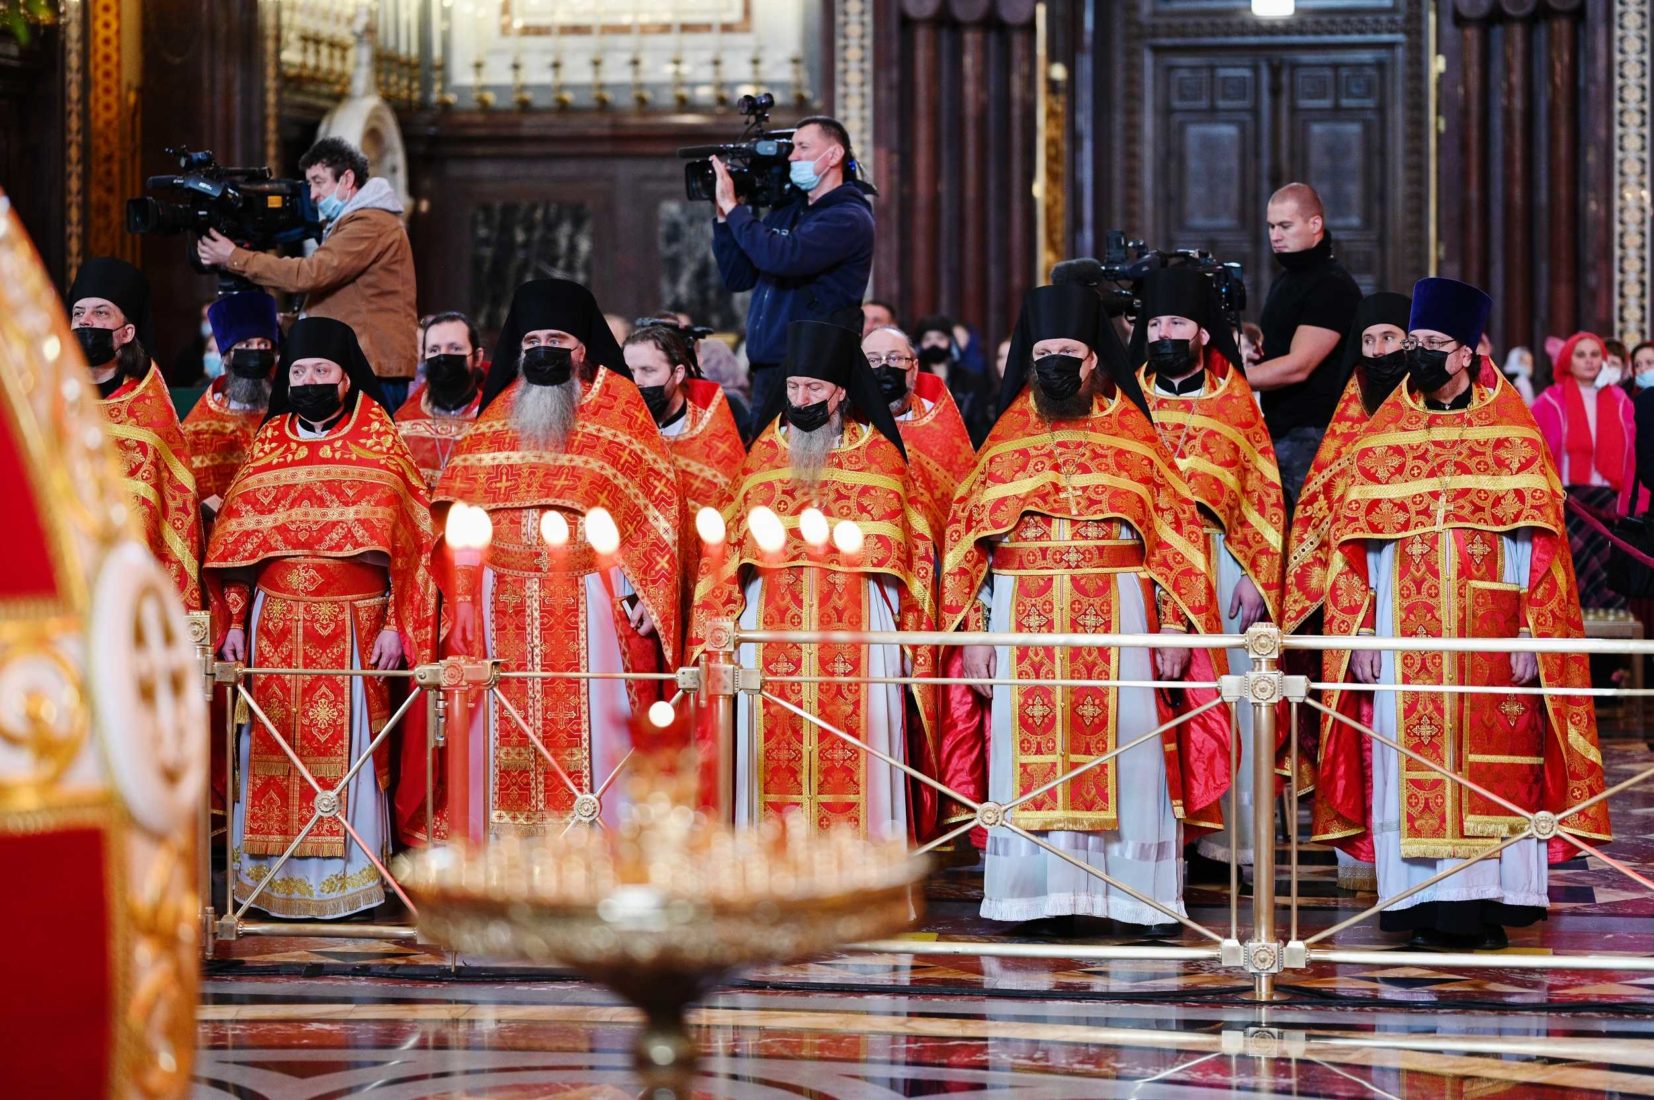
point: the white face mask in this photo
(1609, 375)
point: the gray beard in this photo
(809, 450)
(544, 415)
(249, 393)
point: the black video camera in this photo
(757, 162)
(247, 205)
(1125, 264)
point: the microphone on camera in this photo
(1085, 271)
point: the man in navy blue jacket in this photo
(807, 260)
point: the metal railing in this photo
(718, 681)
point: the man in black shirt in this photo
(1305, 317)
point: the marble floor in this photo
(286, 1018)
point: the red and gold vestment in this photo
(803, 587)
(539, 615)
(155, 465)
(431, 436)
(218, 438)
(1446, 486)
(1223, 449)
(1043, 506)
(318, 526)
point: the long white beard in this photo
(544, 415)
(809, 450)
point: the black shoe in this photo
(1166, 930)
(1494, 938)
(1207, 871)
(1431, 939)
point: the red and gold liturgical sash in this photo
(156, 468)
(218, 438)
(1444, 486)
(431, 438)
(821, 588)
(1057, 492)
(939, 450)
(1224, 452)
(301, 514)
(614, 458)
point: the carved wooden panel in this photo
(1217, 109)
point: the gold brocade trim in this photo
(957, 554)
(143, 490)
(667, 529)
(1507, 485)
(1254, 518)
(294, 897)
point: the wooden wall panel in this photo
(1213, 110)
(957, 128)
(1527, 142)
(31, 140)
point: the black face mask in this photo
(892, 383)
(97, 343)
(934, 356)
(548, 366)
(1059, 375)
(449, 376)
(251, 362)
(655, 397)
(1171, 358)
(1428, 369)
(1381, 374)
(317, 402)
(808, 418)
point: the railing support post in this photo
(1264, 691)
(718, 693)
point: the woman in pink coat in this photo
(1591, 432)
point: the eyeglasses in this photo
(1432, 343)
(894, 359)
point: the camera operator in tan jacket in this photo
(361, 274)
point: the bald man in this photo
(1308, 311)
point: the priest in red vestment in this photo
(436, 416)
(563, 433)
(1376, 364)
(1210, 422)
(221, 426)
(695, 421)
(827, 532)
(939, 454)
(1076, 519)
(1449, 524)
(109, 309)
(319, 559)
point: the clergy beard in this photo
(544, 415)
(809, 450)
(1065, 408)
(248, 393)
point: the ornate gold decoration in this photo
(74, 165)
(1050, 149)
(140, 781)
(113, 174)
(1633, 212)
(852, 74)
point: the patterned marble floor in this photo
(291, 1018)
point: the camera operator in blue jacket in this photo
(806, 260)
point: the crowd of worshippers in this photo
(1121, 483)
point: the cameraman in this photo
(809, 259)
(361, 274)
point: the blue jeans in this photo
(395, 391)
(1295, 453)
